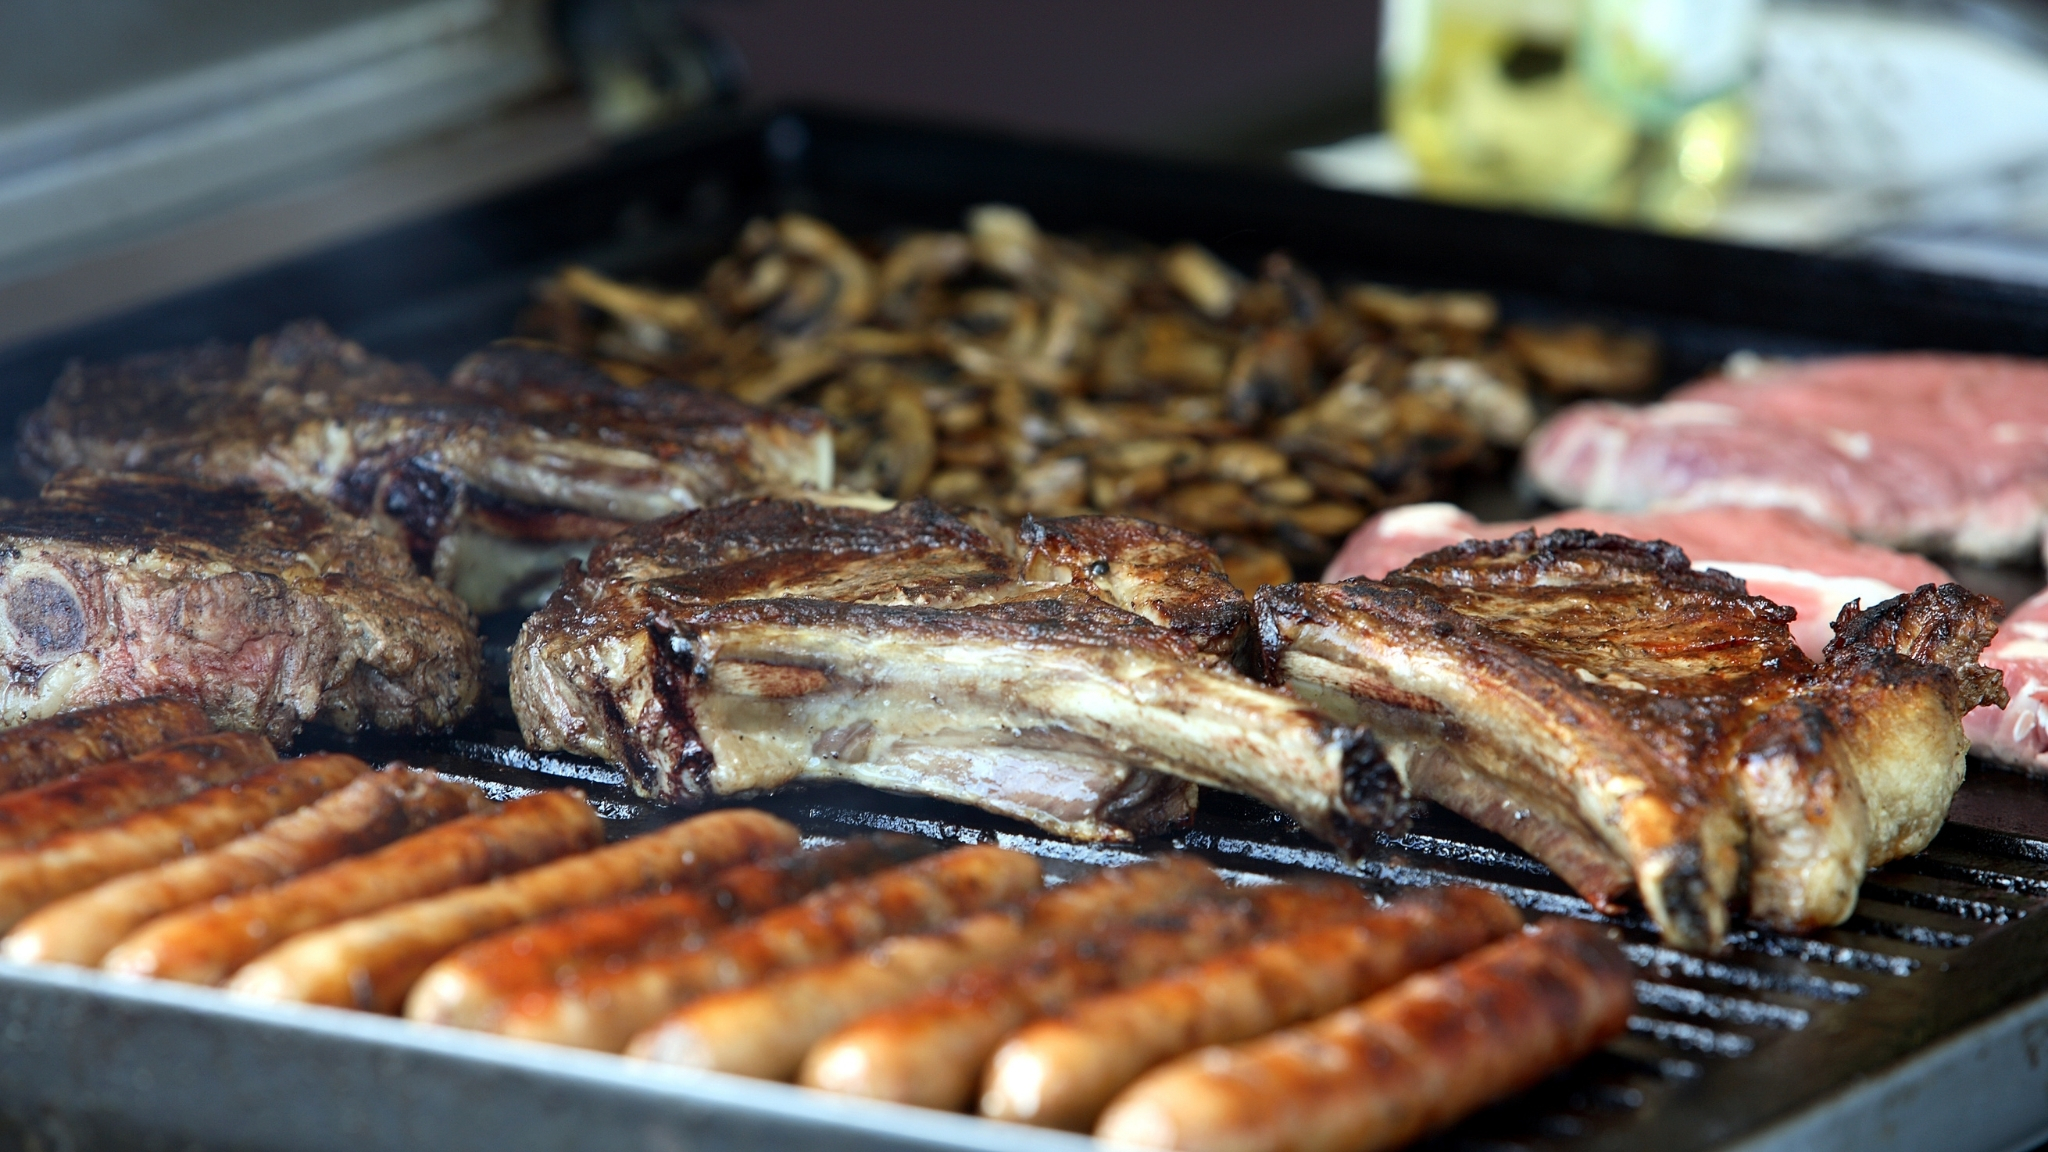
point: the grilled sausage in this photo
(106, 792)
(370, 962)
(766, 1029)
(472, 987)
(205, 945)
(1410, 1060)
(369, 813)
(606, 1009)
(1060, 1072)
(32, 877)
(45, 750)
(930, 1050)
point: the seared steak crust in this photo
(524, 444)
(1044, 674)
(1632, 721)
(268, 609)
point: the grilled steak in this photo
(1780, 554)
(521, 460)
(269, 610)
(1948, 453)
(1074, 674)
(1630, 720)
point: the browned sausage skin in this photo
(61, 865)
(474, 986)
(1410, 1060)
(765, 1030)
(605, 1009)
(51, 749)
(370, 962)
(107, 792)
(1060, 1072)
(367, 814)
(205, 945)
(931, 1050)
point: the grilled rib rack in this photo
(1922, 1022)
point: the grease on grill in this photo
(1023, 372)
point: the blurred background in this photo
(149, 146)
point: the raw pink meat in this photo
(2017, 734)
(1781, 554)
(1933, 452)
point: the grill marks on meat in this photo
(269, 610)
(1632, 721)
(1072, 675)
(522, 459)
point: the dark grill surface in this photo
(1764, 1043)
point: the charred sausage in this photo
(930, 1050)
(1410, 1060)
(606, 1009)
(205, 945)
(45, 750)
(106, 792)
(472, 987)
(1060, 1072)
(766, 1029)
(369, 813)
(370, 962)
(61, 865)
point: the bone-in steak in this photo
(1632, 721)
(268, 609)
(1074, 674)
(520, 461)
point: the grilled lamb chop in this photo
(269, 610)
(1631, 720)
(522, 460)
(1074, 674)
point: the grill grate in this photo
(1698, 1017)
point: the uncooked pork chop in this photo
(522, 460)
(268, 609)
(1075, 673)
(2017, 733)
(1943, 453)
(1634, 722)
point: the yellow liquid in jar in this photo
(1490, 107)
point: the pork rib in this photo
(269, 610)
(524, 458)
(1074, 674)
(1634, 722)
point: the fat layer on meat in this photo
(1634, 722)
(268, 609)
(1075, 673)
(519, 462)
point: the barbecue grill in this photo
(1923, 1021)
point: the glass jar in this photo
(1616, 109)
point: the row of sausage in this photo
(1153, 1004)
